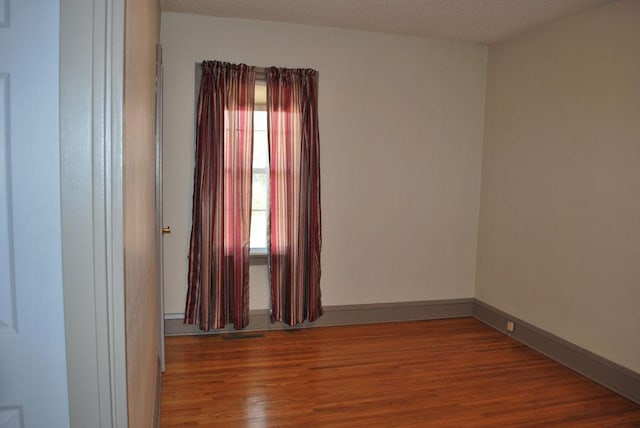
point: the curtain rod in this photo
(261, 72)
(255, 67)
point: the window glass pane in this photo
(260, 149)
(258, 229)
(259, 120)
(260, 191)
(260, 181)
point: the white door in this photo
(33, 377)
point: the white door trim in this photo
(91, 106)
(159, 190)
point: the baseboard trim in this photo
(605, 372)
(260, 320)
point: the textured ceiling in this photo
(480, 21)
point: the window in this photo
(260, 180)
(218, 170)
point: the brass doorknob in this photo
(166, 230)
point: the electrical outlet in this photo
(510, 326)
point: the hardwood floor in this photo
(428, 373)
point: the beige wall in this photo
(142, 29)
(559, 236)
(401, 138)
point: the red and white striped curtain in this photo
(295, 233)
(218, 279)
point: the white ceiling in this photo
(480, 21)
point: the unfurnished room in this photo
(320, 213)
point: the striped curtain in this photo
(218, 279)
(295, 233)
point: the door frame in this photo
(159, 199)
(91, 138)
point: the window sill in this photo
(258, 257)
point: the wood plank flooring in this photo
(428, 374)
